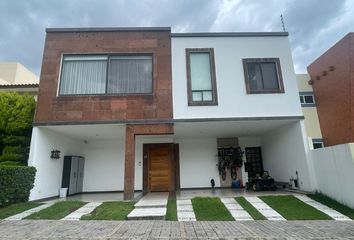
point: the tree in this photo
(16, 118)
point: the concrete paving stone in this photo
(264, 209)
(323, 208)
(254, 200)
(184, 202)
(153, 200)
(26, 213)
(86, 209)
(144, 212)
(232, 206)
(184, 208)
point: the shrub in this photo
(16, 183)
(16, 116)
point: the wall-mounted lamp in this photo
(55, 154)
(311, 82)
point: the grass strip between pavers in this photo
(17, 208)
(292, 208)
(110, 211)
(347, 211)
(171, 213)
(57, 211)
(210, 209)
(255, 214)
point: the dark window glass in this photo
(317, 145)
(309, 99)
(263, 75)
(301, 99)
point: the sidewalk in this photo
(50, 230)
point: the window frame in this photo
(317, 141)
(109, 55)
(306, 94)
(265, 60)
(214, 93)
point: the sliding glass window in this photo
(106, 74)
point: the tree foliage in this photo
(16, 117)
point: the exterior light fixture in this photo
(55, 154)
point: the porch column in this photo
(129, 171)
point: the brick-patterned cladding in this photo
(334, 92)
(158, 105)
(130, 133)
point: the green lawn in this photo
(16, 208)
(57, 210)
(210, 209)
(171, 213)
(110, 211)
(333, 204)
(292, 208)
(255, 214)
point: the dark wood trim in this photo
(173, 175)
(177, 167)
(212, 75)
(259, 60)
(145, 168)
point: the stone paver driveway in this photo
(50, 230)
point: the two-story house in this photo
(148, 109)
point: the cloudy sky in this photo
(313, 25)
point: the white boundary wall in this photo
(334, 171)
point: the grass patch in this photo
(347, 211)
(110, 211)
(57, 210)
(210, 209)
(292, 208)
(171, 213)
(255, 214)
(16, 208)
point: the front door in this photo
(160, 167)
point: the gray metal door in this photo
(80, 180)
(73, 175)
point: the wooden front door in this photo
(160, 167)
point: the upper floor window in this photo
(307, 99)
(201, 79)
(317, 143)
(106, 74)
(263, 75)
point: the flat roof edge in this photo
(108, 29)
(231, 34)
(165, 121)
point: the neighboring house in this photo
(17, 78)
(148, 109)
(332, 75)
(308, 104)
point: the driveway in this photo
(29, 229)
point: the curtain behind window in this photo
(130, 74)
(83, 75)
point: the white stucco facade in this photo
(233, 101)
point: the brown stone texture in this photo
(334, 91)
(130, 133)
(158, 105)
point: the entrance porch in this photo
(146, 158)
